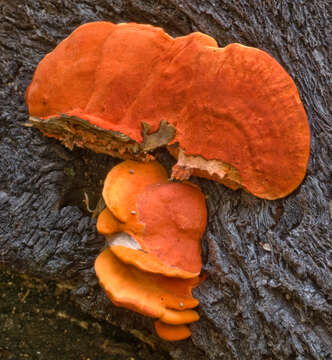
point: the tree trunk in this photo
(268, 263)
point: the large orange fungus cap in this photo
(230, 114)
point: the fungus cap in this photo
(107, 223)
(165, 220)
(175, 317)
(233, 112)
(153, 257)
(125, 182)
(174, 217)
(149, 294)
(149, 262)
(171, 332)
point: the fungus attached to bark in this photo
(174, 217)
(125, 182)
(230, 114)
(153, 257)
(171, 332)
(167, 230)
(149, 294)
(107, 223)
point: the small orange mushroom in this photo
(107, 223)
(146, 207)
(149, 294)
(125, 182)
(174, 217)
(153, 258)
(171, 332)
(230, 114)
(146, 261)
(175, 317)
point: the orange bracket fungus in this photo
(230, 114)
(153, 230)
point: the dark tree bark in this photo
(268, 263)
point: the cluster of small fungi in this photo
(153, 229)
(229, 114)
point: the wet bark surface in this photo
(268, 263)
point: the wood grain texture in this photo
(268, 263)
